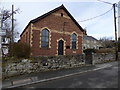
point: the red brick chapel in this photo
(54, 33)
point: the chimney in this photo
(84, 32)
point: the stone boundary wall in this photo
(118, 55)
(41, 64)
(102, 57)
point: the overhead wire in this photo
(96, 16)
(105, 2)
(109, 3)
(116, 4)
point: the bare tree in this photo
(7, 23)
(10, 36)
(107, 42)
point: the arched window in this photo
(45, 38)
(74, 41)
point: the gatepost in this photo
(89, 58)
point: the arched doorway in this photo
(61, 47)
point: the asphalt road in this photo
(102, 78)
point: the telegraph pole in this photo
(116, 43)
(0, 37)
(12, 34)
(12, 37)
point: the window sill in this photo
(74, 49)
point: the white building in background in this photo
(4, 41)
(90, 42)
(119, 19)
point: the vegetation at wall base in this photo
(90, 50)
(106, 50)
(20, 50)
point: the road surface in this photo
(106, 77)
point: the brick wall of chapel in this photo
(54, 23)
(25, 38)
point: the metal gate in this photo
(88, 58)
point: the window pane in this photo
(47, 33)
(45, 38)
(73, 45)
(42, 44)
(73, 36)
(74, 41)
(45, 44)
(43, 33)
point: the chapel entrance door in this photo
(61, 47)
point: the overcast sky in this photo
(80, 9)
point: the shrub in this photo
(20, 50)
(89, 51)
(119, 44)
(119, 47)
(106, 50)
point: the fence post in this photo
(83, 57)
(93, 61)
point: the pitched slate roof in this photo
(50, 12)
(86, 37)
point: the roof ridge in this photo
(52, 11)
(91, 37)
(46, 14)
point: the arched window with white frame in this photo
(74, 39)
(45, 38)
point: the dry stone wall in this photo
(46, 63)
(41, 64)
(103, 57)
